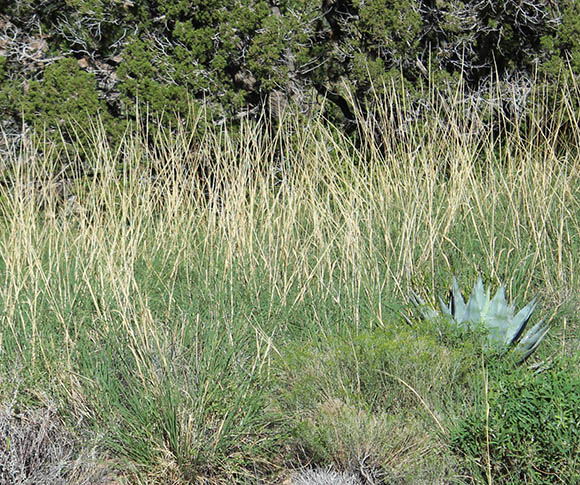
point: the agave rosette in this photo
(495, 314)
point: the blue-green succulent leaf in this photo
(520, 321)
(531, 340)
(425, 310)
(457, 304)
(498, 307)
(446, 308)
(476, 303)
(498, 319)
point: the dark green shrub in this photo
(234, 58)
(562, 47)
(65, 91)
(64, 106)
(533, 427)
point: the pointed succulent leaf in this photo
(531, 340)
(476, 303)
(498, 318)
(520, 321)
(498, 308)
(457, 304)
(415, 298)
(445, 308)
(425, 310)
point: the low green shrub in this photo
(533, 429)
(373, 403)
(361, 368)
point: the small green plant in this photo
(495, 315)
(531, 433)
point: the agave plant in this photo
(504, 329)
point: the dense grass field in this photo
(217, 306)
